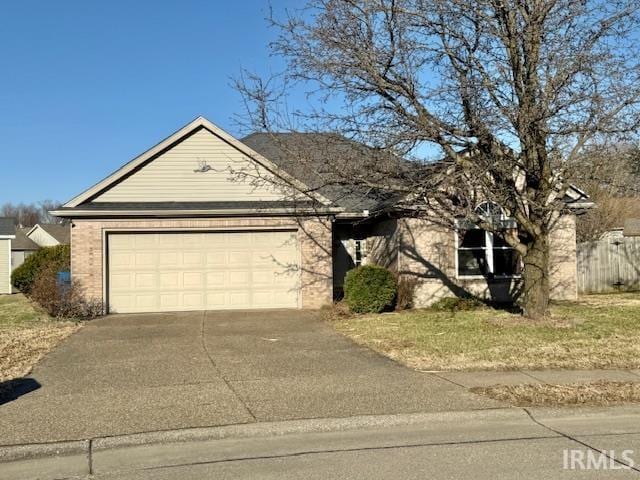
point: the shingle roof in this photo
(7, 226)
(305, 156)
(62, 233)
(22, 242)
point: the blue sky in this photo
(85, 86)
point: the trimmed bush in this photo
(370, 289)
(58, 258)
(456, 304)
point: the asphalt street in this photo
(488, 444)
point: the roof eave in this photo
(79, 213)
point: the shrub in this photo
(58, 257)
(370, 289)
(456, 304)
(62, 301)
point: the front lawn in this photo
(599, 331)
(26, 334)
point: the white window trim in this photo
(488, 249)
(358, 249)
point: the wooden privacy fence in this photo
(609, 265)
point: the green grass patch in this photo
(18, 311)
(596, 332)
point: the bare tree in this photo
(610, 174)
(27, 215)
(509, 91)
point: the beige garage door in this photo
(160, 272)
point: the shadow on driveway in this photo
(14, 389)
(135, 373)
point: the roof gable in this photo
(200, 162)
(49, 234)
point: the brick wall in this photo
(87, 249)
(428, 254)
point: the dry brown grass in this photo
(587, 394)
(26, 335)
(22, 348)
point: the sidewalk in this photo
(537, 377)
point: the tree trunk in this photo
(535, 279)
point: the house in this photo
(7, 234)
(30, 239)
(49, 234)
(205, 221)
(21, 247)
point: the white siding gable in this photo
(42, 238)
(170, 177)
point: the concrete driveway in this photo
(138, 373)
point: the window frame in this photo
(488, 251)
(358, 252)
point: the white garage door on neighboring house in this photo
(176, 271)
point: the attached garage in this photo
(201, 221)
(178, 271)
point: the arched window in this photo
(491, 212)
(484, 253)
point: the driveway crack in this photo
(219, 372)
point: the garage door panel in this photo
(169, 279)
(144, 301)
(193, 301)
(144, 241)
(238, 277)
(262, 278)
(166, 258)
(121, 280)
(144, 259)
(145, 280)
(192, 271)
(216, 300)
(168, 301)
(216, 258)
(239, 299)
(193, 280)
(216, 279)
(192, 258)
(119, 259)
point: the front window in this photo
(483, 253)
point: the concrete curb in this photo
(238, 431)
(287, 427)
(40, 450)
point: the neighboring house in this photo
(188, 226)
(21, 247)
(50, 234)
(7, 234)
(30, 239)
